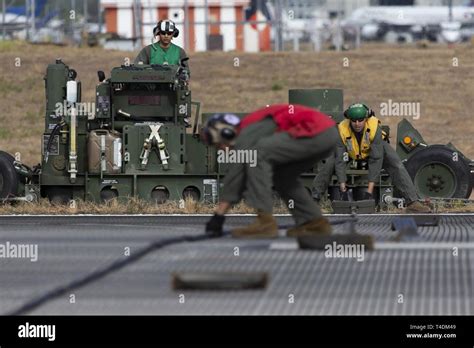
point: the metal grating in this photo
(430, 278)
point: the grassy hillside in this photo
(375, 74)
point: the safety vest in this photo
(350, 140)
(161, 56)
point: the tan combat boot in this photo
(265, 226)
(315, 227)
(417, 207)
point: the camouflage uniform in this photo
(282, 158)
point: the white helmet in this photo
(166, 26)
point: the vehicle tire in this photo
(435, 173)
(7, 155)
(8, 176)
(21, 179)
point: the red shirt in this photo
(297, 120)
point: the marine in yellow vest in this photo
(358, 142)
(362, 139)
(163, 52)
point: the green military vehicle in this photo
(139, 143)
(135, 144)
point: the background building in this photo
(203, 25)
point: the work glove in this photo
(368, 196)
(214, 226)
(344, 195)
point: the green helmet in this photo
(357, 111)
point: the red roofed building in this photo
(226, 34)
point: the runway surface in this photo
(432, 275)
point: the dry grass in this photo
(133, 206)
(375, 74)
(453, 206)
(137, 206)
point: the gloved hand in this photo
(368, 196)
(344, 196)
(214, 226)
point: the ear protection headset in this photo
(368, 114)
(220, 128)
(166, 26)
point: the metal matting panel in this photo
(430, 279)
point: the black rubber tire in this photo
(7, 155)
(444, 155)
(9, 177)
(21, 179)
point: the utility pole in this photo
(86, 15)
(27, 23)
(73, 9)
(99, 15)
(339, 34)
(450, 4)
(357, 43)
(278, 25)
(4, 31)
(150, 16)
(206, 20)
(186, 25)
(138, 23)
(33, 17)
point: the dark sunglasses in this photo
(167, 33)
(360, 121)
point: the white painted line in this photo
(228, 215)
(284, 246)
(390, 246)
(423, 245)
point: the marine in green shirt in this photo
(163, 52)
